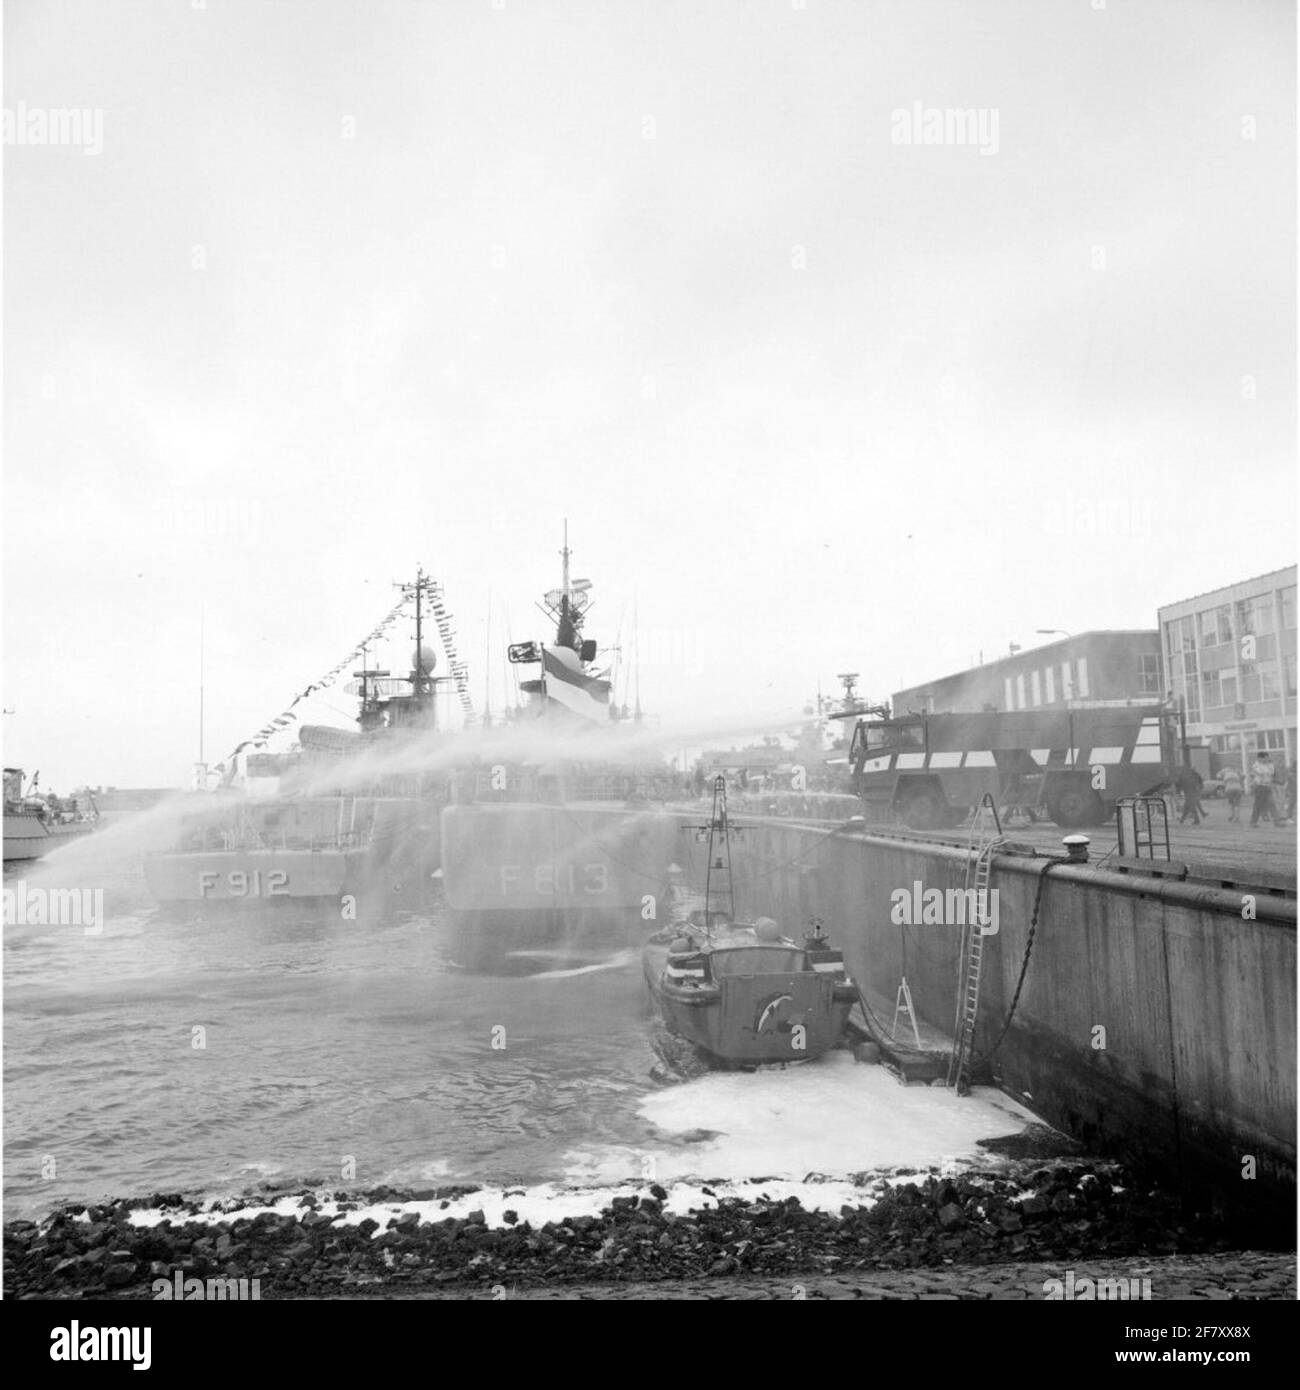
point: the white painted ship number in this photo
(241, 884)
(555, 878)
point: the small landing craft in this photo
(742, 992)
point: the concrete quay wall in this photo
(1157, 1020)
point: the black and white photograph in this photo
(649, 654)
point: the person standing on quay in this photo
(1261, 781)
(1232, 790)
(1283, 793)
(1190, 782)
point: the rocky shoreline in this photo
(312, 1243)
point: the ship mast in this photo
(566, 630)
(422, 683)
(419, 633)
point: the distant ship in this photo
(316, 825)
(33, 825)
(556, 846)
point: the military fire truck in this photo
(1071, 765)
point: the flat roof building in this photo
(1230, 663)
(1105, 667)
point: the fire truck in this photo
(930, 770)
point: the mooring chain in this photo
(1024, 964)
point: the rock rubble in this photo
(1063, 1214)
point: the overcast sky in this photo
(354, 287)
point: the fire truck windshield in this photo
(881, 736)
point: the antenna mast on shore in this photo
(201, 767)
(487, 668)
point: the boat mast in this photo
(719, 827)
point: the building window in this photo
(1255, 615)
(1250, 686)
(1220, 689)
(1189, 670)
(1288, 675)
(1216, 626)
(1148, 673)
(1035, 690)
(1020, 692)
(1049, 677)
(1067, 682)
(1269, 686)
(1008, 694)
(1288, 608)
(1083, 676)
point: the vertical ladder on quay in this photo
(983, 844)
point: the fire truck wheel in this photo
(922, 810)
(1071, 806)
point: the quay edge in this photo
(1155, 1021)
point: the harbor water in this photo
(210, 1055)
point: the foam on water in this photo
(832, 1116)
(615, 962)
(537, 1205)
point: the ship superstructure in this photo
(551, 844)
(345, 810)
